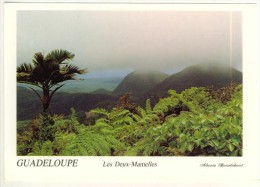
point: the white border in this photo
(177, 170)
(1, 92)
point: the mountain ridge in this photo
(138, 82)
(200, 75)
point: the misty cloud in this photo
(162, 40)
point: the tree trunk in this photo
(46, 98)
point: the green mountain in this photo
(201, 75)
(138, 82)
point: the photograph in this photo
(129, 83)
(155, 93)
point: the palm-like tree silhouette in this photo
(47, 72)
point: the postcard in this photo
(134, 94)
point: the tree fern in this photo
(92, 144)
(118, 114)
(148, 106)
(100, 111)
(42, 149)
(165, 105)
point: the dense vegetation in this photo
(197, 121)
(28, 105)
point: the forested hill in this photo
(138, 82)
(201, 75)
(29, 106)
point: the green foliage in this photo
(148, 106)
(205, 128)
(92, 144)
(55, 135)
(191, 123)
(115, 118)
(22, 126)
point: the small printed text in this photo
(223, 165)
(129, 164)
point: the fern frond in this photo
(148, 107)
(127, 120)
(135, 117)
(141, 112)
(118, 114)
(92, 143)
(100, 111)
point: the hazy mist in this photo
(113, 43)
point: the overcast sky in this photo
(116, 42)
